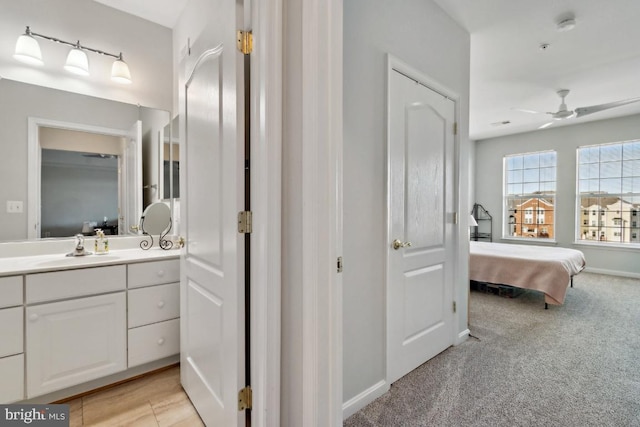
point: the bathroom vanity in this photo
(72, 324)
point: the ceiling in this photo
(163, 12)
(599, 60)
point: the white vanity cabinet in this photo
(11, 340)
(154, 310)
(75, 327)
(69, 326)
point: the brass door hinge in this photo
(245, 41)
(454, 307)
(339, 264)
(245, 225)
(245, 399)
(455, 128)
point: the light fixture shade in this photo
(472, 221)
(28, 50)
(120, 71)
(77, 62)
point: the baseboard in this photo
(462, 337)
(104, 382)
(358, 402)
(612, 272)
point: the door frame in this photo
(265, 100)
(393, 63)
(320, 124)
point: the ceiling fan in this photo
(100, 155)
(563, 113)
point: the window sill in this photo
(608, 245)
(531, 240)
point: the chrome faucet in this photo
(79, 250)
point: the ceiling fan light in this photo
(120, 71)
(77, 62)
(566, 25)
(28, 50)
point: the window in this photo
(530, 195)
(609, 183)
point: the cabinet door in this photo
(71, 342)
(12, 375)
(11, 327)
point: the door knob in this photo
(397, 244)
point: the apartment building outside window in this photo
(609, 187)
(530, 195)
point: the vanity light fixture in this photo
(77, 61)
(28, 51)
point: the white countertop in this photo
(54, 262)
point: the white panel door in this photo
(212, 273)
(420, 247)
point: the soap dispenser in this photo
(101, 244)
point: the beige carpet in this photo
(572, 365)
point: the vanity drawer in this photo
(153, 273)
(11, 291)
(152, 342)
(11, 331)
(12, 374)
(74, 283)
(154, 304)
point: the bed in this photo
(542, 268)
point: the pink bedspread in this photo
(542, 268)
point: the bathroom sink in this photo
(65, 261)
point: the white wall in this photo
(146, 48)
(419, 33)
(565, 140)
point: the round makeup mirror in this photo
(156, 218)
(156, 221)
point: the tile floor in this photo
(156, 400)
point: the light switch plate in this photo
(14, 206)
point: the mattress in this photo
(542, 268)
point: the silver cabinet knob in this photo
(161, 341)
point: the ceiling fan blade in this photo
(583, 111)
(524, 110)
(546, 125)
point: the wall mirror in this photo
(74, 162)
